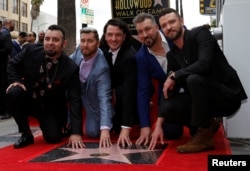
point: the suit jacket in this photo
(148, 68)
(5, 46)
(25, 67)
(202, 55)
(124, 82)
(96, 94)
(16, 48)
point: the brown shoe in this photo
(215, 125)
(203, 140)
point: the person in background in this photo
(31, 38)
(96, 86)
(211, 86)
(117, 48)
(5, 54)
(44, 82)
(152, 72)
(18, 43)
(41, 35)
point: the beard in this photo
(177, 35)
(50, 53)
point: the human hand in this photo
(168, 86)
(144, 136)
(14, 85)
(105, 140)
(75, 141)
(124, 137)
(157, 134)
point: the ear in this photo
(65, 42)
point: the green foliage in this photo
(213, 23)
(37, 2)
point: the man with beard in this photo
(211, 86)
(151, 73)
(96, 86)
(44, 82)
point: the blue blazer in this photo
(96, 94)
(148, 68)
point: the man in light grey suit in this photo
(96, 86)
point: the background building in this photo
(19, 11)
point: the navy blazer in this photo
(25, 68)
(148, 68)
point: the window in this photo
(16, 25)
(24, 9)
(4, 5)
(24, 27)
(15, 6)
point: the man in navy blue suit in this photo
(151, 69)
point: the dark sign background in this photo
(208, 7)
(128, 9)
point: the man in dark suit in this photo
(120, 54)
(43, 82)
(18, 43)
(5, 52)
(211, 86)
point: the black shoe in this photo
(25, 140)
(6, 116)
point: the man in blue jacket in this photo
(95, 86)
(151, 65)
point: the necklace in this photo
(49, 67)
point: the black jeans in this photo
(51, 119)
(202, 101)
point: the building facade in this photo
(19, 11)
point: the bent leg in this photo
(19, 102)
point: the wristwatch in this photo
(171, 75)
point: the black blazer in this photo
(201, 54)
(124, 81)
(25, 67)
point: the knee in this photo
(52, 138)
(193, 81)
(15, 92)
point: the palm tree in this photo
(35, 10)
(66, 17)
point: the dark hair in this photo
(23, 34)
(90, 30)
(59, 28)
(143, 16)
(168, 11)
(123, 26)
(34, 34)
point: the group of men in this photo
(114, 83)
